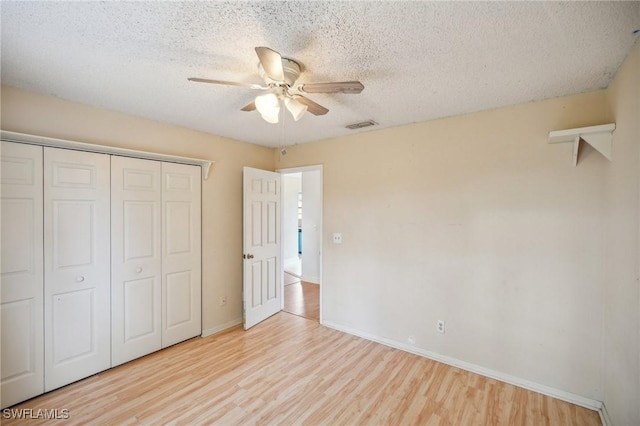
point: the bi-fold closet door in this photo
(181, 253)
(155, 255)
(21, 273)
(100, 263)
(136, 258)
(55, 268)
(77, 306)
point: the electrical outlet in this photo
(440, 327)
(337, 238)
(411, 340)
(223, 301)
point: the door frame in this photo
(302, 169)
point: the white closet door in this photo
(77, 265)
(21, 306)
(136, 259)
(181, 263)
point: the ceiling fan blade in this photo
(312, 107)
(249, 107)
(271, 63)
(227, 83)
(351, 87)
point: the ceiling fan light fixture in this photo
(269, 107)
(271, 118)
(280, 75)
(295, 107)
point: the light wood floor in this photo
(303, 299)
(290, 370)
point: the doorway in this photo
(302, 241)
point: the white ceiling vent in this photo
(361, 125)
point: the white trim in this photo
(222, 327)
(104, 149)
(312, 280)
(604, 416)
(301, 169)
(560, 136)
(503, 377)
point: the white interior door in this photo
(21, 275)
(136, 258)
(77, 265)
(261, 246)
(181, 253)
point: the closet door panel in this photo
(181, 253)
(136, 258)
(21, 273)
(77, 265)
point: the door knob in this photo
(249, 256)
(79, 278)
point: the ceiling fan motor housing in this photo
(291, 70)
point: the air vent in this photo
(361, 125)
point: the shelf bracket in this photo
(599, 137)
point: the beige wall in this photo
(476, 220)
(622, 239)
(27, 112)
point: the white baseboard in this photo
(222, 327)
(312, 280)
(604, 416)
(497, 375)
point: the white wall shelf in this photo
(104, 149)
(599, 137)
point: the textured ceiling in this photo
(417, 60)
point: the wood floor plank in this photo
(302, 298)
(289, 370)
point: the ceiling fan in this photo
(280, 75)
